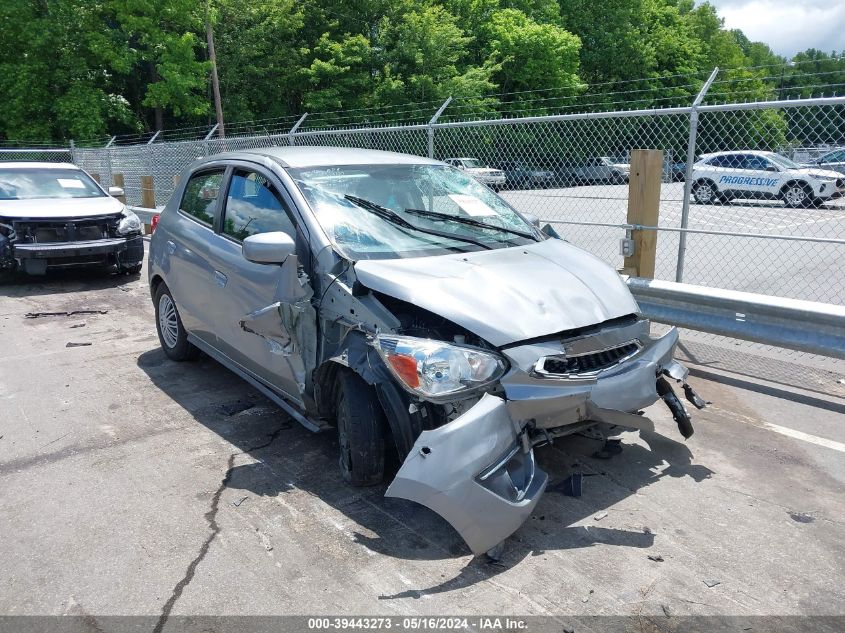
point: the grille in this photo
(70, 230)
(589, 363)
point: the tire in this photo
(361, 429)
(134, 269)
(171, 333)
(797, 195)
(704, 192)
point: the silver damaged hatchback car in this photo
(404, 303)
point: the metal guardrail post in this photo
(693, 131)
(292, 131)
(431, 123)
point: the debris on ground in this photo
(233, 408)
(802, 517)
(600, 515)
(77, 325)
(712, 583)
(238, 502)
(36, 315)
(572, 486)
(657, 558)
(587, 597)
(610, 448)
(74, 344)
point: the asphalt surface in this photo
(134, 485)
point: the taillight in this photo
(154, 222)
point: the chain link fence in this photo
(759, 213)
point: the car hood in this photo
(507, 295)
(815, 172)
(49, 208)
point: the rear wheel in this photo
(797, 195)
(704, 192)
(361, 429)
(171, 332)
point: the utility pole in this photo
(215, 82)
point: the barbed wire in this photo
(558, 99)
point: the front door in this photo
(253, 204)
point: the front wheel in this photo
(361, 427)
(797, 195)
(171, 332)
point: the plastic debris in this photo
(73, 344)
(712, 583)
(657, 558)
(600, 515)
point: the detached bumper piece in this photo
(477, 472)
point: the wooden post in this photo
(148, 198)
(118, 181)
(148, 194)
(644, 209)
(95, 176)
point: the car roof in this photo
(754, 152)
(322, 156)
(34, 164)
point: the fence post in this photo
(73, 152)
(96, 176)
(693, 133)
(431, 126)
(291, 138)
(148, 194)
(644, 209)
(117, 179)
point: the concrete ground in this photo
(134, 485)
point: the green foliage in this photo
(84, 69)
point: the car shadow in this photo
(64, 281)
(289, 458)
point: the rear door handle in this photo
(220, 279)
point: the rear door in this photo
(187, 246)
(254, 203)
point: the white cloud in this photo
(788, 27)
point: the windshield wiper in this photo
(469, 222)
(394, 218)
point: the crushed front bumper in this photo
(478, 471)
(35, 258)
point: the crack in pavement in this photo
(211, 518)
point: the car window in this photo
(756, 162)
(32, 182)
(254, 206)
(200, 197)
(835, 157)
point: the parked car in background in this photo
(595, 170)
(833, 161)
(518, 175)
(54, 215)
(493, 178)
(401, 301)
(724, 176)
(676, 172)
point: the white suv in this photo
(493, 178)
(723, 176)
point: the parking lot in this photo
(798, 269)
(134, 485)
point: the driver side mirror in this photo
(772, 168)
(268, 248)
(116, 192)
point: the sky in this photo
(788, 26)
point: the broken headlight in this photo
(129, 223)
(436, 370)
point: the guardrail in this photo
(807, 326)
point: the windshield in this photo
(781, 161)
(25, 183)
(346, 202)
(472, 163)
